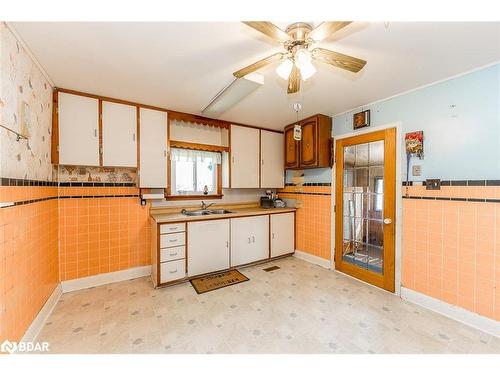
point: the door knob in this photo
(387, 220)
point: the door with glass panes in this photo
(365, 207)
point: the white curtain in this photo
(182, 154)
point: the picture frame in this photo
(361, 119)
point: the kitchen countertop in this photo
(161, 218)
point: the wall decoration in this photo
(361, 119)
(71, 173)
(26, 108)
(415, 144)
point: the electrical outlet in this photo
(416, 170)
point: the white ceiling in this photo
(182, 65)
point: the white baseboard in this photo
(312, 259)
(37, 324)
(454, 312)
(105, 278)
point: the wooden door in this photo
(245, 159)
(249, 239)
(282, 234)
(309, 143)
(78, 130)
(292, 159)
(271, 160)
(153, 166)
(365, 187)
(208, 246)
(119, 135)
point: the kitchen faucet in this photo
(204, 206)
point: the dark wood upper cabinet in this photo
(292, 159)
(313, 150)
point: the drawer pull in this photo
(173, 228)
(173, 254)
(173, 271)
(175, 240)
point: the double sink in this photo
(205, 212)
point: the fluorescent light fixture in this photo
(232, 94)
(285, 68)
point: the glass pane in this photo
(376, 175)
(363, 203)
(377, 153)
(205, 172)
(184, 176)
(362, 155)
(349, 156)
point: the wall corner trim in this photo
(37, 324)
(325, 263)
(457, 313)
(105, 278)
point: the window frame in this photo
(217, 194)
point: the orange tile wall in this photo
(313, 218)
(29, 269)
(99, 235)
(451, 249)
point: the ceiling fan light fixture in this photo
(285, 68)
(307, 71)
(303, 60)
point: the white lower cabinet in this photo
(174, 270)
(282, 234)
(249, 239)
(208, 246)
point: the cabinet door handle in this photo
(273, 236)
(133, 137)
(227, 243)
(233, 159)
(95, 133)
(248, 239)
(253, 239)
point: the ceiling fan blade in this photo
(257, 65)
(339, 60)
(294, 80)
(269, 29)
(327, 28)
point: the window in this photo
(194, 172)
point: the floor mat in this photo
(219, 280)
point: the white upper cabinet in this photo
(244, 157)
(119, 135)
(271, 159)
(153, 149)
(78, 118)
(282, 234)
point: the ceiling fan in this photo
(297, 58)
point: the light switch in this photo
(416, 170)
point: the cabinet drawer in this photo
(170, 271)
(172, 253)
(172, 239)
(172, 228)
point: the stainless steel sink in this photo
(218, 212)
(205, 212)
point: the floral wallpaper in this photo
(26, 107)
(71, 173)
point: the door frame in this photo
(398, 199)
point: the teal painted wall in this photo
(460, 118)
